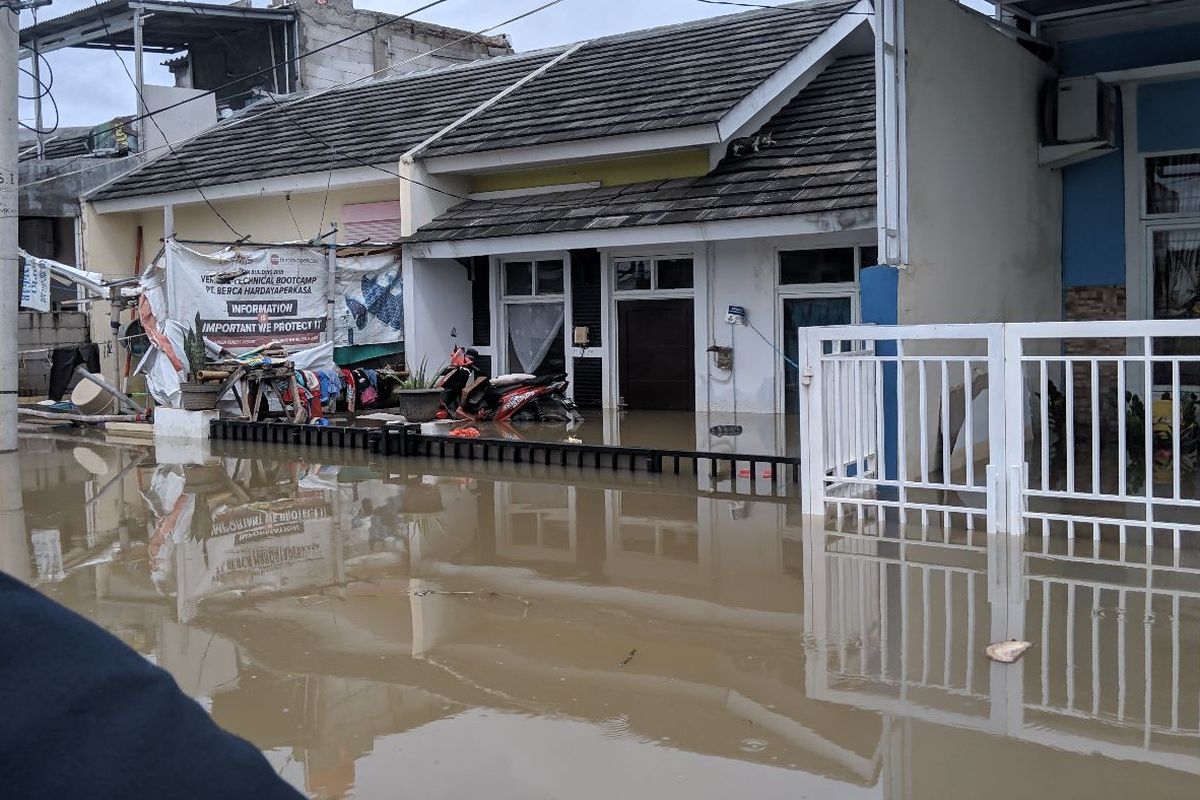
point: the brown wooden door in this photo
(657, 354)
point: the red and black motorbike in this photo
(469, 394)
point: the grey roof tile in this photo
(372, 123)
(823, 160)
(656, 79)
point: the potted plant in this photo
(196, 395)
(415, 397)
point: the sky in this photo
(90, 86)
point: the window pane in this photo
(868, 256)
(803, 312)
(1176, 296)
(817, 266)
(1177, 274)
(633, 275)
(675, 273)
(518, 278)
(550, 277)
(1173, 184)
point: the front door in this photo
(657, 358)
(805, 312)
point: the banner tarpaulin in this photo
(35, 284)
(369, 306)
(249, 297)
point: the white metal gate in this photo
(1005, 425)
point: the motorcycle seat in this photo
(512, 379)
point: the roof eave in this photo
(568, 152)
(304, 182)
(829, 227)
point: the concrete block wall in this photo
(37, 334)
(324, 23)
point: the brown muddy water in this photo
(407, 629)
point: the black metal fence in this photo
(762, 475)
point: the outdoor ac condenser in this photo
(1085, 110)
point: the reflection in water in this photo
(376, 631)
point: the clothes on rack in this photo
(64, 360)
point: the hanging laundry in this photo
(63, 362)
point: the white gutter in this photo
(415, 151)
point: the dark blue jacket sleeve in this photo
(84, 716)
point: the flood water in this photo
(409, 629)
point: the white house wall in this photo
(984, 219)
(437, 300)
(745, 273)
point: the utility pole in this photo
(10, 269)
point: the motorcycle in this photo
(469, 394)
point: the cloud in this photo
(91, 87)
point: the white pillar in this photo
(14, 543)
(8, 232)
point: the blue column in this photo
(879, 307)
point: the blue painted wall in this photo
(879, 288)
(1094, 222)
(1169, 116)
(1168, 119)
(1127, 51)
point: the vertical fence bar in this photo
(1122, 440)
(880, 444)
(856, 406)
(1148, 435)
(1095, 426)
(1175, 661)
(969, 420)
(1069, 389)
(1096, 651)
(1044, 397)
(948, 601)
(1121, 613)
(1176, 451)
(901, 434)
(839, 461)
(1071, 646)
(947, 443)
(1045, 643)
(922, 418)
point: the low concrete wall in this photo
(37, 334)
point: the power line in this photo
(237, 120)
(799, 9)
(182, 167)
(277, 65)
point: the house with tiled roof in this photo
(592, 209)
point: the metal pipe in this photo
(37, 102)
(25, 411)
(139, 79)
(82, 372)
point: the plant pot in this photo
(417, 405)
(198, 396)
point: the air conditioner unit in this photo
(1081, 110)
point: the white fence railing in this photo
(1006, 423)
(899, 625)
